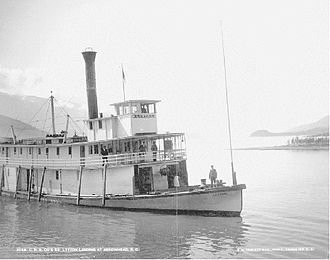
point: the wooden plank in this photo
(79, 185)
(2, 178)
(42, 183)
(17, 180)
(30, 180)
(104, 183)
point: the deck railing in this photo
(115, 160)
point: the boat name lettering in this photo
(219, 193)
(144, 116)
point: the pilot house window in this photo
(134, 109)
(96, 149)
(100, 124)
(144, 108)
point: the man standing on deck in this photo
(104, 153)
(213, 175)
(154, 150)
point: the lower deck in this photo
(126, 180)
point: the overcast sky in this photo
(276, 51)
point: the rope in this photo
(33, 117)
(66, 113)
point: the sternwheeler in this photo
(121, 163)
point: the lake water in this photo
(285, 215)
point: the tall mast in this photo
(53, 113)
(233, 173)
(13, 134)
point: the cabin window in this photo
(144, 108)
(126, 110)
(30, 150)
(57, 175)
(121, 110)
(14, 150)
(39, 150)
(96, 149)
(90, 125)
(48, 141)
(47, 151)
(152, 108)
(3, 150)
(21, 150)
(100, 124)
(69, 150)
(91, 149)
(58, 150)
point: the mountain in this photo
(322, 123)
(320, 127)
(35, 111)
(22, 130)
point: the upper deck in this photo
(170, 147)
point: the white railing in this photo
(93, 162)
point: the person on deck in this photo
(154, 150)
(104, 153)
(142, 150)
(213, 175)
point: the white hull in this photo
(224, 201)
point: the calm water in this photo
(285, 206)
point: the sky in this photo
(277, 57)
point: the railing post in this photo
(30, 180)
(79, 185)
(17, 180)
(2, 178)
(42, 183)
(104, 183)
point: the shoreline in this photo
(286, 147)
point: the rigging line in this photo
(33, 116)
(82, 131)
(47, 119)
(43, 128)
(66, 113)
(67, 102)
(49, 129)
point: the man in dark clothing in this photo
(104, 153)
(142, 150)
(154, 150)
(213, 175)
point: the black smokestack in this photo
(89, 57)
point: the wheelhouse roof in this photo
(144, 101)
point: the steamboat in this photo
(121, 163)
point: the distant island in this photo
(318, 128)
(313, 136)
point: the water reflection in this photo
(30, 224)
(189, 236)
